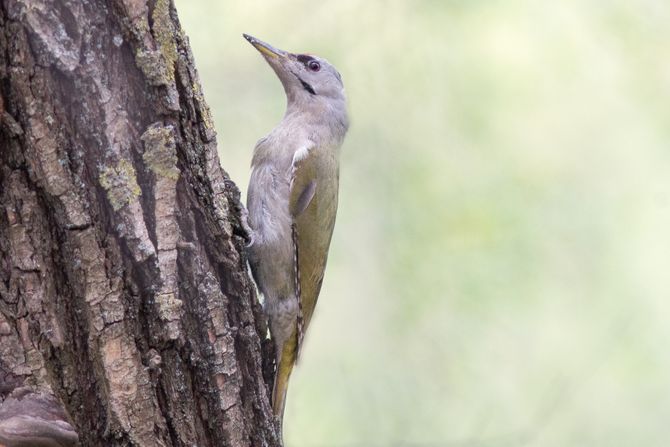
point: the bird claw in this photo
(250, 238)
(244, 221)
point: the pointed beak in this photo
(266, 49)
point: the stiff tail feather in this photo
(285, 362)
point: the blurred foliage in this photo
(499, 270)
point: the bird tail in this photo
(286, 358)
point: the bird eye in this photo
(314, 66)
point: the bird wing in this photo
(313, 205)
(303, 180)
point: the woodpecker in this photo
(292, 201)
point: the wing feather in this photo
(313, 205)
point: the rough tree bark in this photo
(123, 283)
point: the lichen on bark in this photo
(120, 182)
(160, 151)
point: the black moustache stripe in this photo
(307, 87)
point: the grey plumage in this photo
(292, 200)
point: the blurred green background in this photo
(499, 270)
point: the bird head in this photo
(305, 77)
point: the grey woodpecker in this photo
(292, 201)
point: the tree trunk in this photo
(123, 282)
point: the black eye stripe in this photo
(304, 58)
